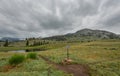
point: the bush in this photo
(32, 55)
(16, 59)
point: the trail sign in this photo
(67, 46)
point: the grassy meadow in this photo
(102, 58)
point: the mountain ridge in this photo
(11, 39)
(85, 34)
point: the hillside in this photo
(87, 34)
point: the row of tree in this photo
(36, 43)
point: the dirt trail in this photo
(75, 69)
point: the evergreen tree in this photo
(27, 43)
(6, 43)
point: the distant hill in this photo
(85, 34)
(9, 39)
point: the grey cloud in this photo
(111, 14)
(27, 18)
(113, 20)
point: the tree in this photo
(27, 43)
(6, 43)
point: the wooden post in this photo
(68, 52)
(49, 71)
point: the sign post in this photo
(49, 71)
(68, 51)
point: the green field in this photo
(102, 58)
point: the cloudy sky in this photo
(40, 18)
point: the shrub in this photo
(16, 59)
(32, 55)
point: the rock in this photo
(67, 61)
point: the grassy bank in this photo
(102, 57)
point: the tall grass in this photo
(16, 59)
(32, 55)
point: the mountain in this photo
(85, 34)
(10, 39)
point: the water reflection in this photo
(27, 50)
(18, 51)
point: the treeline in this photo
(56, 38)
(38, 43)
(35, 42)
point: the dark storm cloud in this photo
(27, 18)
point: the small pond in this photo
(27, 50)
(18, 51)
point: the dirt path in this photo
(75, 69)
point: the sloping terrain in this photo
(85, 34)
